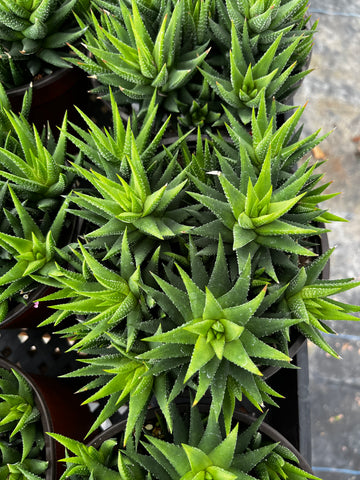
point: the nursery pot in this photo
(52, 96)
(241, 418)
(60, 411)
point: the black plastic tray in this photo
(38, 350)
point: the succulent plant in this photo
(199, 107)
(117, 312)
(100, 463)
(195, 22)
(142, 63)
(100, 296)
(124, 379)
(139, 58)
(287, 145)
(216, 337)
(226, 350)
(34, 164)
(161, 47)
(307, 298)
(6, 127)
(287, 148)
(33, 36)
(251, 214)
(35, 179)
(26, 251)
(111, 310)
(260, 23)
(196, 451)
(105, 150)
(246, 81)
(22, 442)
(18, 410)
(212, 454)
(145, 204)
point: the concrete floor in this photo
(333, 94)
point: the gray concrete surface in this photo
(333, 94)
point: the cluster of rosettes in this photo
(197, 55)
(191, 277)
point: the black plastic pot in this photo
(60, 411)
(241, 418)
(52, 96)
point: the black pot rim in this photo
(45, 416)
(36, 85)
(38, 292)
